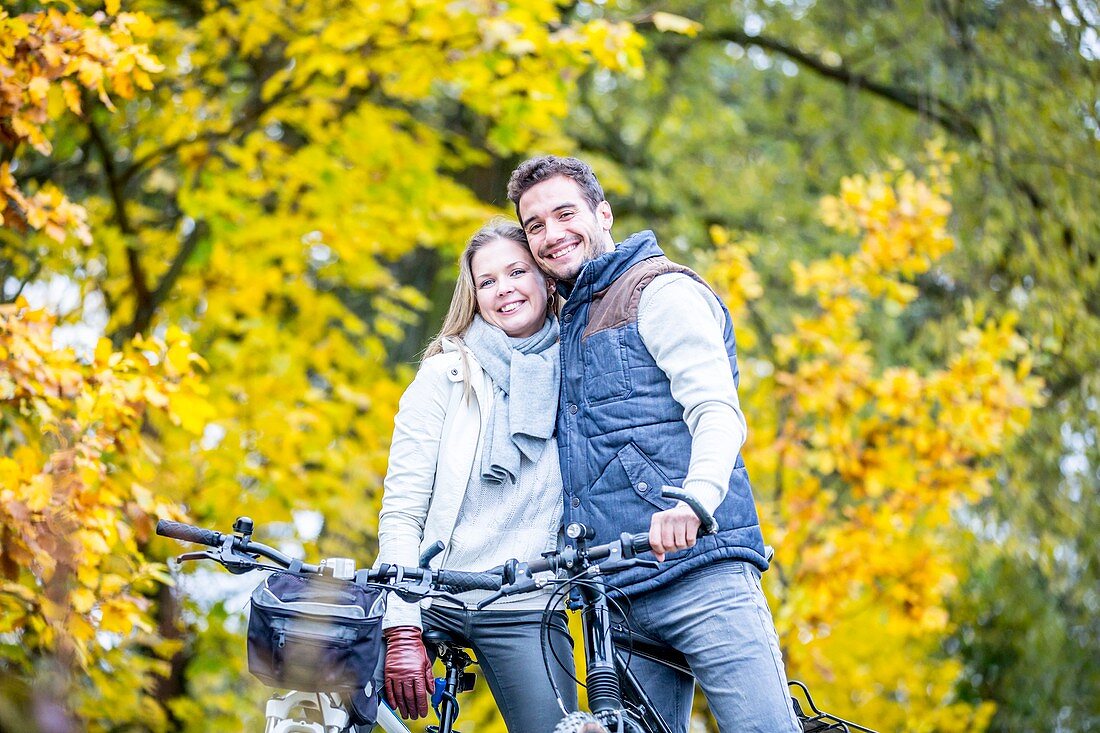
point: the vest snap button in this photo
(454, 372)
(575, 502)
(567, 317)
(643, 486)
(572, 409)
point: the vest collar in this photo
(605, 269)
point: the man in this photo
(649, 398)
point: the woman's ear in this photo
(551, 285)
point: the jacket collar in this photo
(599, 273)
(467, 366)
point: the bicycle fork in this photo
(604, 695)
(605, 664)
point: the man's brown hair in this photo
(537, 170)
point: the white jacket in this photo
(435, 438)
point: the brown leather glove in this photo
(408, 674)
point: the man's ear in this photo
(604, 216)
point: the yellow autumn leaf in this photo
(672, 23)
(38, 492)
(93, 541)
(72, 96)
(10, 473)
(82, 600)
(117, 616)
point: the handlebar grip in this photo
(189, 533)
(456, 581)
(708, 525)
(639, 543)
(426, 557)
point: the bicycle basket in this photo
(314, 634)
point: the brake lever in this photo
(201, 555)
(491, 599)
(615, 566)
(522, 584)
(423, 589)
(234, 563)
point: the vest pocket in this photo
(645, 478)
(606, 377)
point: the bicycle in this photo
(617, 699)
(296, 711)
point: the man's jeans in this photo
(718, 618)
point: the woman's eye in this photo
(517, 273)
(485, 283)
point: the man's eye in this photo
(534, 228)
(566, 215)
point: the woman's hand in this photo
(408, 673)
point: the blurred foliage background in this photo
(229, 228)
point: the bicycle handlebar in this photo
(240, 555)
(628, 545)
(189, 533)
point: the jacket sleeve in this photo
(680, 322)
(410, 478)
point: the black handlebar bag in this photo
(315, 634)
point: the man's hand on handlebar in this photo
(673, 529)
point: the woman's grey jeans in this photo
(508, 650)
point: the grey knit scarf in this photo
(526, 373)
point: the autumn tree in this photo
(864, 465)
(753, 112)
(281, 188)
(274, 185)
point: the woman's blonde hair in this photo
(464, 301)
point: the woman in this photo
(474, 463)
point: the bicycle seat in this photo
(447, 647)
(435, 636)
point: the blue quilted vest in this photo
(621, 435)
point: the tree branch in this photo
(147, 307)
(936, 108)
(116, 188)
(242, 122)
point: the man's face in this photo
(562, 229)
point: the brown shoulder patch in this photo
(617, 305)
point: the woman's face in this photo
(511, 292)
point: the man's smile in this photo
(558, 254)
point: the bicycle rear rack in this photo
(817, 721)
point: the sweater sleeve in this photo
(681, 322)
(410, 478)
